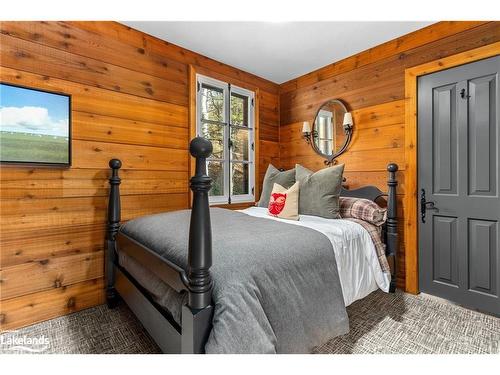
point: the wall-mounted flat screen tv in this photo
(35, 126)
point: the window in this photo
(225, 116)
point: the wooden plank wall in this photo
(129, 100)
(372, 85)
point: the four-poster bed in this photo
(190, 332)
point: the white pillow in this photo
(284, 203)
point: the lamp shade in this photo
(306, 127)
(348, 120)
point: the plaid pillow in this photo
(363, 209)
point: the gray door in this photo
(458, 173)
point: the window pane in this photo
(216, 172)
(212, 103)
(239, 109)
(215, 134)
(239, 144)
(239, 179)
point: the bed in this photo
(282, 290)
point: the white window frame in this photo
(227, 89)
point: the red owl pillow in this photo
(284, 203)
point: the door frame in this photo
(411, 157)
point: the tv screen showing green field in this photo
(34, 126)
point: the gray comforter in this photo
(276, 286)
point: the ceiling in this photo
(277, 51)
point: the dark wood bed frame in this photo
(196, 321)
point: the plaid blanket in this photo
(364, 209)
(376, 236)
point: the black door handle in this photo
(425, 205)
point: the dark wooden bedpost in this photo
(392, 222)
(197, 315)
(112, 229)
(200, 230)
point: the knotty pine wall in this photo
(372, 85)
(130, 101)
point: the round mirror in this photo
(332, 129)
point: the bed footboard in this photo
(196, 279)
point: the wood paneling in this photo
(50, 273)
(99, 101)
(378, 137)
(39, 245)
(21, 214)
(41, 59)
(93, 127)
(130, 96)
(372, 84)
(269, 153)
(375, 178)
(415, 39)
(381, 80)
(36, 307)
(70, 38)
(97, 155)
(128, 35)
(62, 183)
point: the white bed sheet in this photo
(357, 263)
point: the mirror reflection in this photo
(329, 135)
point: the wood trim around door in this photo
(411, 182)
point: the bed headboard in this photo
(390, 228)
(367, 192)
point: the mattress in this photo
(357, 263)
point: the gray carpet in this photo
(380, 323)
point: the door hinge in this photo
(253, 147)
(198, 86)
(253, 190)
(253, 102)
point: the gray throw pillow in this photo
(274, 175)
(319, 192)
